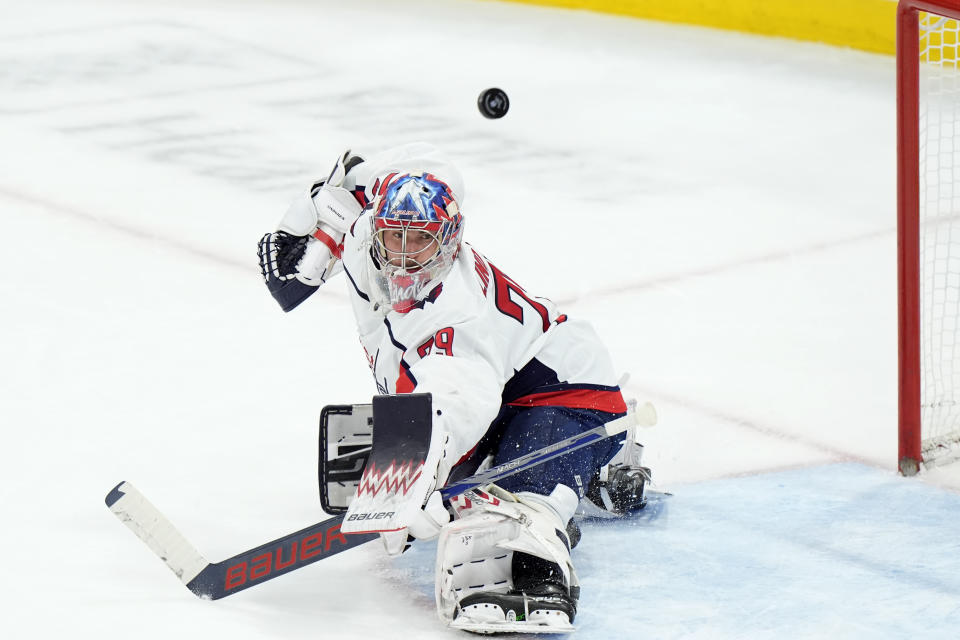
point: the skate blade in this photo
(488, 628)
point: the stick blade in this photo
(151, 526)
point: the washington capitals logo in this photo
(395, 479)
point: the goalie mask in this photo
(416, 230)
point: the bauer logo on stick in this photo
(493, 103)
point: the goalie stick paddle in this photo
(215, 580)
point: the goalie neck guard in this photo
(416, 229)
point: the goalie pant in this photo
(517, 431)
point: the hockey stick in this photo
(215, 580)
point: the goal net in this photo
(928, 100)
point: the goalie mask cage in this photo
(928, 232)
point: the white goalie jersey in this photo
(477, 340)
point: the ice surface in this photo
(720, 206)
(795, 554)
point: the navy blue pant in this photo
(526, 429)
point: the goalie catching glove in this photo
(305, 250)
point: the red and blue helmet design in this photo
(414, 203)
(419, 202)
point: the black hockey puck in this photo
(493, 103)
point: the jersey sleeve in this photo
(466, 399)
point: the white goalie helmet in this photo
(416, 227)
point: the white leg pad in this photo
(475, 551)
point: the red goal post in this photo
(928, 214)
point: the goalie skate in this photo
(619, 488)
(544, 609)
